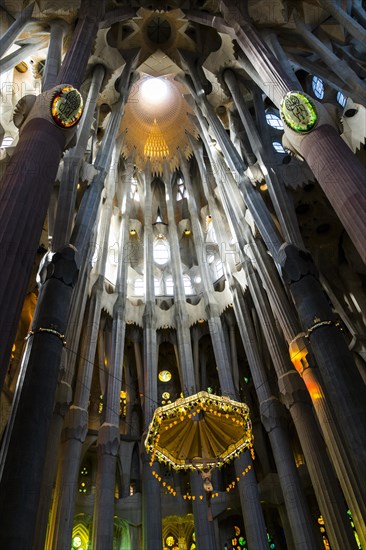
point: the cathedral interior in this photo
(183, 279)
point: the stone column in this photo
(109, 432)
(77, 418)
(248, 490)
(73, 67)
(183, 331)
(214, 321)
(151, 499)
(276, 80)
(26, 450)
(72, 163)
(251, 196)
(351, 487)
(345, 20)
(274, 421)
(27, 183)
(204, 529)
(339, 66)
(54, 54)
(339, 173)
(15, 29)
(282, 202)
(325, 483)
(342, 380)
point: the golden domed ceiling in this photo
(156, 122)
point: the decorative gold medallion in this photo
(298, 112)
(67, 107)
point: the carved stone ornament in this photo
(22, 109)
(298, 112)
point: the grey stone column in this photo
(20, 229)
(214, 321)
(90, 202)
(204, 529)
(289, 324)
(54, 54)
(248, 490)
(15, 29)
(183, 332)
(251, 196)
(151, 499)
(325, 483)
(77, 417)
(346, 21)
(273, 419)
(72, 163)
(352, 490)
(335, 64)
(276, 80)
(342, 380)
(26, 450)
(282, 203)
(109, 432)
(73, 67)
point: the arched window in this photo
(278, 147)
(318, 87)
(157, 288)
(134, 193)
(274, 121)
(188, 288)
(182, 191)
(219, 268)
(139, 287)
(161, 251)
(341, 98)
(169, 285)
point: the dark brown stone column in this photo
(24, 195)
(341, 377)
(24, 462)
(342, 178)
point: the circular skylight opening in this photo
(154, 91)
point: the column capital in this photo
(63, 398)
(296, 263)
(76, 424)
(272, 414)
(298, 349)
(293, 389)
(61, 266)
(108, 439)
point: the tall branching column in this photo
(109, 432)
(325, 483)
(274, 421)
(76, 424)
(182, 318)
(255, 528)
(151, 501)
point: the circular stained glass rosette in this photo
(67, 107)
(199, 431)
(298, 112)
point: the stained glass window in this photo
(274, 121)
(318, 87)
